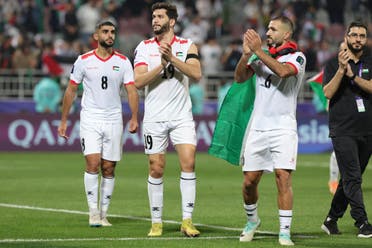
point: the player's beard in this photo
(106, 45)
(163, 29)
(271, 43)
(354, 50)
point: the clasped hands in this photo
(165, 50)
(251, 42)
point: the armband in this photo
(192, 56)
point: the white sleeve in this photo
(140, 55)
(298, 61)
(77, 71)
(128, 73)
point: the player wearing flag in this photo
(163, 65)
(102, 72)
(271, 140)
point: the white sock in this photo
(333, 168)
(285, 220)
(91, 191)
(107, 187)
(155, 193)
(251, 211)
(188, 192)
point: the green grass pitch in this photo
(42, 204)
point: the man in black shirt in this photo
(348, 84)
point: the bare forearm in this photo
(364, 84)
(191, 70)
(242, 73)
(133, 104)
(68, 99)
(143, 79)
(278, 68)
(331, 88)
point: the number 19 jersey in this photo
(102, 80)
(168, 97)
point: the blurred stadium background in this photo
(40, 39)
(41, 197)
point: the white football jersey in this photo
(102, 80)
(167, 98)
(276, 98)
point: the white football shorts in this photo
(269, 150)
(102, 137)
(157, 134)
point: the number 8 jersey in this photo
(102, 80)
(167, 98)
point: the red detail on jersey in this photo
(73, 82)
(87, 55)
(150, 41)
(181, 41)
(289, 63)
(98, 57)
(174, 39)
(140, 63)
(120, 55)
(130, 83)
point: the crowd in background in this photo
(42, 34)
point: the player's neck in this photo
(165, 37)
(104, 53)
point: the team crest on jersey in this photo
(179, 54)
(300, 60)
(115, 68)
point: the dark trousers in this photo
(352, 154)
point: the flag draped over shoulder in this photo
(232, 121)
(320, 100)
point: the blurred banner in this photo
(38, 132)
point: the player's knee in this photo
(108, 172)
(156, 169)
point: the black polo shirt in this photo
(344, 118)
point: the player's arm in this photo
(143, 77)
(191, 67)
(331, 87)
(133, 105)
(68, 99)
(283, 70)
(242, 70)
(254, 42)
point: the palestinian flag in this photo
(316, 85)
(233, 119)
(232, 122)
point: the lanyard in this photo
(358, 98)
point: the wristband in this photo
(352, 77)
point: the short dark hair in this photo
(171, 10)
(356, 24)
(104, 23)
(284, 19)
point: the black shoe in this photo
(330, 227)
(365, 230)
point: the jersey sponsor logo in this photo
(115, 68)
(300, 60)
(179, 54)
(92, 67)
